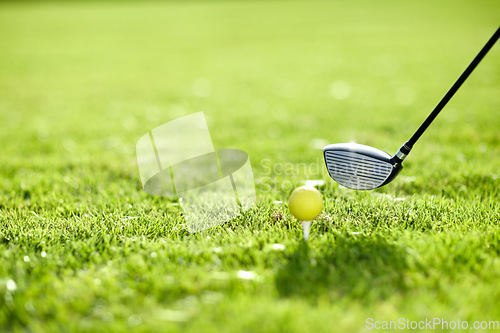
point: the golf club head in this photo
(360, 167)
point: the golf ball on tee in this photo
(305, 203)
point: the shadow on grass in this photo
(366, 268)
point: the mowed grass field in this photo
(83, 248)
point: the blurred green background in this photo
(85, 80)
(82, 81)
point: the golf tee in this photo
(306, 225)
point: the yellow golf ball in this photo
(305, 203)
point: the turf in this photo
(84, 249)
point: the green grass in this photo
(83, 248)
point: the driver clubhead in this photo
(360, 167)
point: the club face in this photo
(359, 167)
